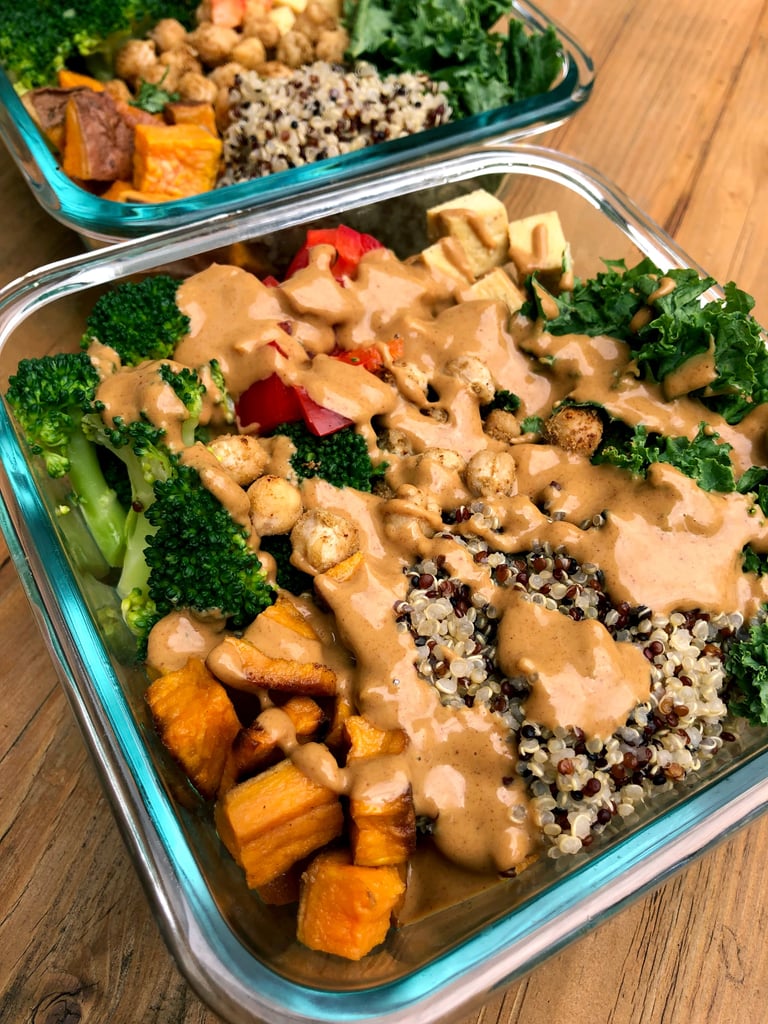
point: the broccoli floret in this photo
(198, 556)
(50, 397)
(288, 576)
(35, 44)
(341, 458)
(146, 459)
(139, 320)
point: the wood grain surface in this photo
(678, 119)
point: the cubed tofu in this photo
(497, 285)
(446, 262)
(478, 223)
(538, 243)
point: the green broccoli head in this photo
(139, 320)
(36, 44)
(198, 556)
(52, 397)
(341, 458)
(49, 396)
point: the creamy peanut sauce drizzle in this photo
(665, 543)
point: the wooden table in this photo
(678, 119)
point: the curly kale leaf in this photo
(746, 668)
(705, 458)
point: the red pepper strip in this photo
(350, 246)
(268, 403)
(370, 358)
(320, 421)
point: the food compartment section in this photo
(423, 550)
(124, 124)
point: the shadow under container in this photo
(239, 955)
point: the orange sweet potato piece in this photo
(191, 112)
(178, 159)
(343, 709)
(47, 107)
(124, 192)
(273, 820)
(346, 908)
(262, 672)
(255, 747)
(282, 890)
(382, 831)
(73, 79)
(367, 740)
(196, 721)
(98, 144)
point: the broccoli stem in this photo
(135, 571)
(98, 503)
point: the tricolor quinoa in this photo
(320, 111)
(578, 785)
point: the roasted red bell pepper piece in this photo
(320, 421)
(370, 358)
(350, 246)
(268, 402)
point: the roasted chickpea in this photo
(575, 430)
(275, 505)
(412, 382)
(445, 457)
(491, 474)
(195, 86)
(243, 456)
(502, 426)
(250, 53)
(331, 45)
(135, 60)
(263, 28)
(295, 49)
(395, 441)
(475, 374)
(322, 539)
(168, 34)
(213, 43)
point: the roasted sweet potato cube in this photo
(345, 908)
(282, 890)
(98, 144)
(196, 721)
(178, 159)
(256, 747)
(367, 740)
(382, 831)
(191, 112)
(285, 613)
(253, 670)
(343, 709)
(274, 819)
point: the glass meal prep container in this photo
(239, 955)
(100, 221)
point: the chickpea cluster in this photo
(273, 38)
(320, 539)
